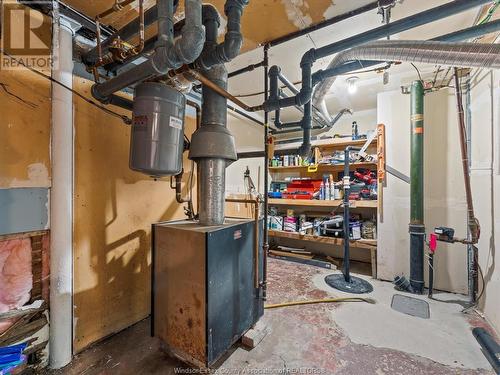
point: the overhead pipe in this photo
(316, 130)
(430, 52)
(327, 77)
(311, 56)
(169, 54)
(230, 48)
(125, 33)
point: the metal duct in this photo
(212, 145)
(430, 52)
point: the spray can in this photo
(322, 191)
(327, 190)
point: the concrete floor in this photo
(348, 338)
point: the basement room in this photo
(249, 187)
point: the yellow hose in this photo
(315, 301)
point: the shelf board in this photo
(318, 203)
(323, 144)
(323, 167)
(360, 244)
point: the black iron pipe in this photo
(246, 69)
(347, 189)
(311, 56)
(297, 34)
(266, 175)
(431, 274)
(490, 348)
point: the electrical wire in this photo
(317, 301)
(127, 120)
(418, 72)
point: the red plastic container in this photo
(302, 189)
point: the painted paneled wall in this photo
(24, 147)
(444, 193)
(485, 178)
(114, 210)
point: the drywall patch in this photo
(297, 12)
(23, 210)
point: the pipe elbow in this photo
(188, 48)
(231, 46)
(308, 58)
(305, 149)
(238, 4)
(210, 14)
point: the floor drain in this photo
(410, 306)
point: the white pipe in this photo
(61, 206)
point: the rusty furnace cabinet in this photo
(203, 294)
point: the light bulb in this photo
(352, 85)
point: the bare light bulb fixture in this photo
(352, 85)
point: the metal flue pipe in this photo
(212, 145)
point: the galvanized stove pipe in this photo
(212, 146)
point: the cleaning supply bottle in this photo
(332, 188)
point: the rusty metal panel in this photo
(179, 305)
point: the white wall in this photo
(367, 120)
(444, 188)
(485, 177)
(248, 136)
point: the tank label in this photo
(175, 122)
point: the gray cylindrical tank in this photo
(157, 138)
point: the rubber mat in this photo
(411, 306)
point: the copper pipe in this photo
(134, 51)
(212, 86)
(472, 221)
(138, 49)
(98, 36)
(115, 8)
(256, 203)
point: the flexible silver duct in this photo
(293, 134)
(430, 52)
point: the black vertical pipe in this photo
(431, 274)
(266, 173)
(347, 190)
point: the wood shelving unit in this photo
(318, 203)
(322, 167)
(326, 147)
(360, 244)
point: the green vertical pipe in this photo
(417, 154)
(416, 227)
